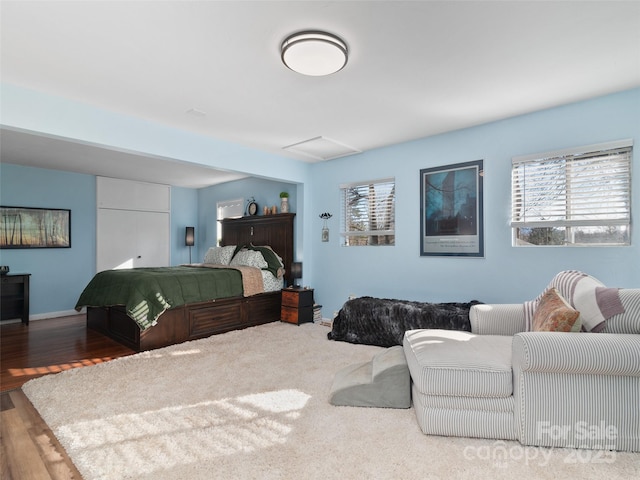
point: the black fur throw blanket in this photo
(382, 322)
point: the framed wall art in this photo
(451, 218)
(26, 227)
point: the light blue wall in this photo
(33, 111)
(265, 192)
(506, 274)
(184, 213)
(58, 275)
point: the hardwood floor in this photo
(51, 346)
(29, 450)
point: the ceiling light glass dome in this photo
(314, 53)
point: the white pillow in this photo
(250, 258)
(219, 255)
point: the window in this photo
(573, 197)
(228, 209)
(368, 213)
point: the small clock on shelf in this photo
(252, 207)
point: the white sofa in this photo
(554, 389)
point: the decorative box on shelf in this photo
(297, 305)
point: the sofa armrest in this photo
(566, 386)
(576, 353)
(497, 319)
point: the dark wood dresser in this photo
(14, 293)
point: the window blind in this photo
(585, 187)
(368, 212)
(227, 209)
(230, 208)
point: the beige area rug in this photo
(252, 404)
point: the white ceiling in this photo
(416, 68)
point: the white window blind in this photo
(228, 209)
(368, 213)
(573, 197)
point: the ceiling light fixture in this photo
(314, 53)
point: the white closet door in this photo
(153, 238)
(133, 224)
(131, 239)
(117, 242)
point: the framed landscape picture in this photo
(451, 218)
(26, 227)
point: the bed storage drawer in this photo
(214, 317)
(188, 322)
(230, 314)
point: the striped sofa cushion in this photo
(595, 302)
(448, 362)
(465, 416)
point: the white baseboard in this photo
(64, 313)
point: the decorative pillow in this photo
(554, 314)
(629, 320)
(250, 258)
(219, 255)
(596, 304)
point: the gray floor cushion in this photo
(382, 382)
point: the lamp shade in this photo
(296, 270)
(190, 237)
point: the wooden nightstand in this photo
(297, 305)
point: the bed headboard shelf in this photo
(275, 231)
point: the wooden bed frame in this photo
(198, 320)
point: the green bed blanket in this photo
(148, 292)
